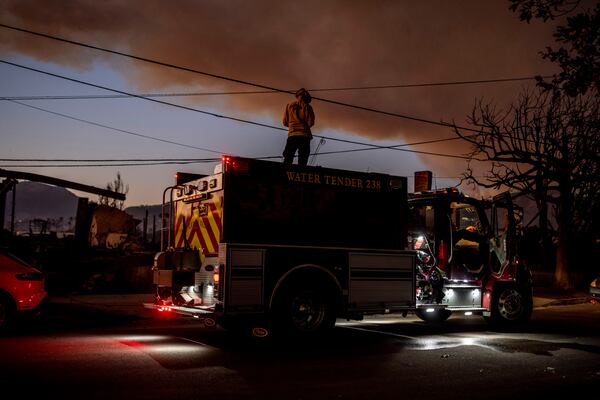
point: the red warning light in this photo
(236, 164)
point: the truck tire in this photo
(512, 306)
(304, 311)
(436, 316)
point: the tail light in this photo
(216, 281)
(235, 164)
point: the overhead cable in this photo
(216, 151)
(113, 128)
(88, 160)
(393, 147)
(230, 79)
(251, 92)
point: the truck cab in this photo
(467, 257)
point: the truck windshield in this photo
(420, 223)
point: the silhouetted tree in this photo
(578, 54)
(544, 146)
(115, 186)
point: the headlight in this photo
(594, 283)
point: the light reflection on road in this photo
(534, 343)
(164, 344)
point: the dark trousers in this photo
(300, 144)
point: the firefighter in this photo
(468, 250)
(298, 117)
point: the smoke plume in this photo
(312, 44)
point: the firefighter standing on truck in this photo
(298, 117)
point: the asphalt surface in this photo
(132, 304)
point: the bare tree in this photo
(578, 41)
(115, 186)
(544, 146)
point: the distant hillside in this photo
(36, 200)
(139, 212)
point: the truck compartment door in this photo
(245, 280)
(381, 282)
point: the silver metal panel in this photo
(383, 280)
(247, 257)
(376, 292)
(246, 275)
(386, 261)
(202, 277)
(462, 297)
(246, 293)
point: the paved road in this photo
(90, 351)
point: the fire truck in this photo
(270, 246)
(275, 247)
(467, 257)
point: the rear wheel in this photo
(434, 316)
(511, 306)
(305, 312)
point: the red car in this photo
(22, 290)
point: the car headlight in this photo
(594, 283)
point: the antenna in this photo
(314, 157)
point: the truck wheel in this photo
(436, 316)
(511, 306)
(305, 312)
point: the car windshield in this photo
(8, 255)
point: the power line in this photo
(124, 163)
(78, 165)
(115, 96)
(113, 128)
(164, 64)
(148, 162)
(230, 93)
(323, 153)
(213, 151)
(229, 79)
(432, 84)
(393, 147)
(140, 97)
(108, 159)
